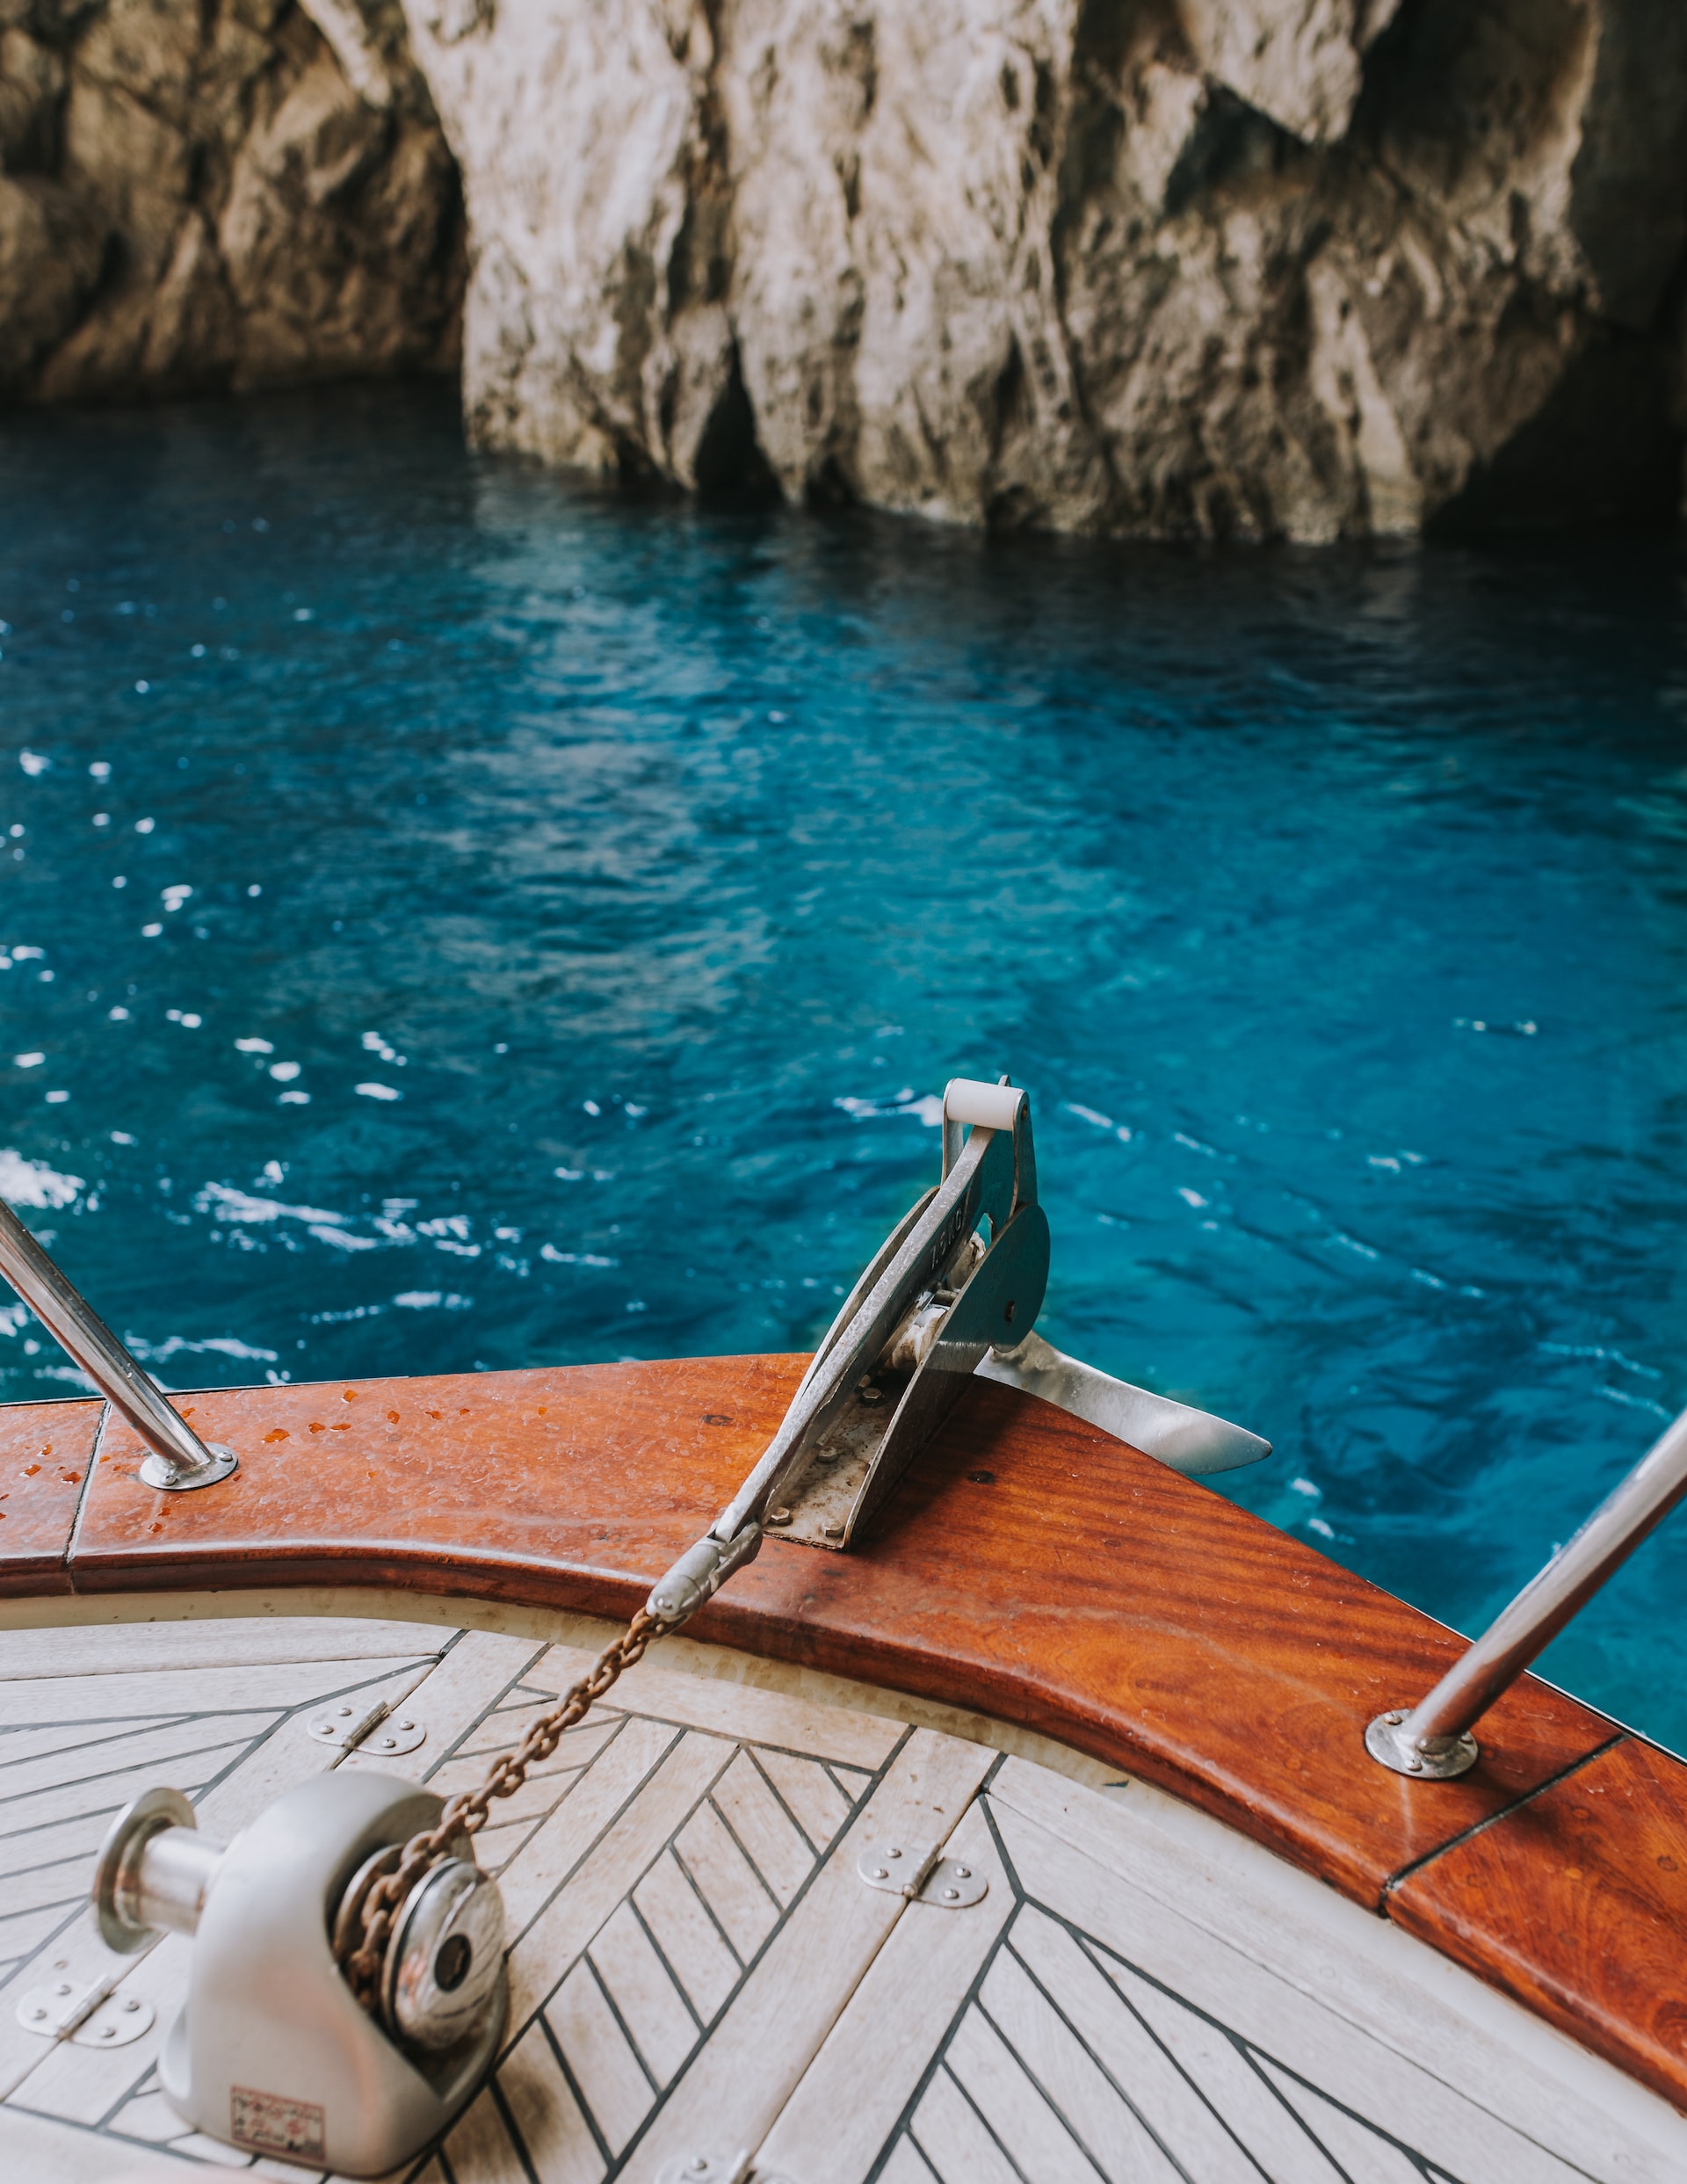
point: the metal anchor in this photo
(274, 2052)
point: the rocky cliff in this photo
(218, 192)
(1303, 268)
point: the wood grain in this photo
(1577, 1903)
(1028, 1566)
(45, 1452)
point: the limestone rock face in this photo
(198, 195)
(1308, 268)
(1298, 268)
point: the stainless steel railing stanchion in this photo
(1432, 1739)
(180, 1459)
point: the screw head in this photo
(872, 1395)
(131, 2004)
(1415, 1761)
(385, 1745)
(965, 1872)
(346, 1709)
(881, 1872)
(64, 1987)
(1394, 1719)
(38, 2011)
(778, 1516)
(833, 1531)
(952, 1896)
(108, 2032)
(407, 1724)
(891, 1853)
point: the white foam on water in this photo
(229, 1204)
(927, 1111)
(33, 1183)
(172, 1345)
(343, 1240)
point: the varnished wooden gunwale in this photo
(1030, 1567)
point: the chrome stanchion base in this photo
(180, 1478)
(1391, 1739)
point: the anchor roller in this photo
(273, 2052)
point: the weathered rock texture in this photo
(214, 193)
(1310, 268)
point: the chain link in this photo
(467, 1813)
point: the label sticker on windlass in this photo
(269, 2122)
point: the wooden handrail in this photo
(1028, 1567)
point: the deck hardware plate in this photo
(922, 1876)
(382, 1729)
(84, 2013)
(710, 2168)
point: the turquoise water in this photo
(467, 919)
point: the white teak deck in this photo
(1141, 1997)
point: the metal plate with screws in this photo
(380, 1731)
(705, 2168)
(715, 2168)
(77, 2011)
(1390, 1739)
(945, 1882)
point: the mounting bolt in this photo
(880, 1873)
(964, 1872)
(778, 1516)
(1415, 1762)
(832, 1531)
(1395, 1720)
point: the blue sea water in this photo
(458, 918)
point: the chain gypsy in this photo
(467, 1813)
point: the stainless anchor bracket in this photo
(273, 2053)
(938, 1303)
(922, 1877)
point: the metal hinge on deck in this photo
(716, 2168)
(924, 1876)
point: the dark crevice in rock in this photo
(730, 466)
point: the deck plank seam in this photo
(782, 1915)
(66, 1560)
(507, 2117)
(1493, 1819)
(903, 2126)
